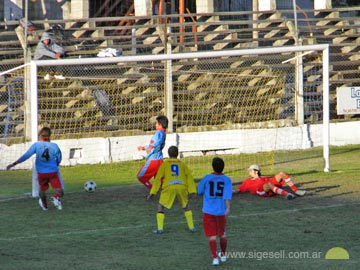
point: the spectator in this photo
(48, 49)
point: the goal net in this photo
(12, 111)
(248, 106)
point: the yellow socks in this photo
(160, 220)
(189, 219)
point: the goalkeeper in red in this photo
(216, 189)
(153, 151)
(266, 187)
(48, 158)
(176, 181)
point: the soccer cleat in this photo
(158, 231)
(290, 196)
(192, 230)
(300, 192)
(57, 203)
(215, 262)
(222, 257)
(59, 77)
(43, 207)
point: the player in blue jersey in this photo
(48, 158)
(154, 153)
(216, 189)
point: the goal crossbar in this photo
(324, 48)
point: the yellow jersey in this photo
(173, 172)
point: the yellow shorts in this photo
(171, 192)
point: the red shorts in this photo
(149, 170)
(46, 178)
(261, 192)
(270, 193)
(214, 225)
(276, 183)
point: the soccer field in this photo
(112, 227)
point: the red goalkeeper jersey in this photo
(253, 185)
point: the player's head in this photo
(218, 165)
(254, 170)
(173, 151)
(46, 38)
(45, 134)
(162, 121)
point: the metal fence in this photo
(217, 31)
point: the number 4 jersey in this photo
(216, 189)
(48, 156)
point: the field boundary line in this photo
(27, 195)
(175, 222)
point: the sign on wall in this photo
(348, 100)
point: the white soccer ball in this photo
(90, 186)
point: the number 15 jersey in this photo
(216, 189)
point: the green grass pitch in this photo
(112, 227)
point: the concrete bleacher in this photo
(85, 38)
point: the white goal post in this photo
(168, 70)
(193, 55)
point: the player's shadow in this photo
(311, 191)
(340, 194)
(301, 184)
(314, 190)
(322, 188)
(303, 173)
(345, 151)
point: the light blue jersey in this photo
(157, 143)
(216, 189)
(48, 156)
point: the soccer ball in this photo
(90, 186)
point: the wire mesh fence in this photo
(126, 96)
(217, 105)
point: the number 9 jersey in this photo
(216, 188)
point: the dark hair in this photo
(45, 132)
(163, 121)
(218, 165)
(173, 151)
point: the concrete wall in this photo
(209, 6)
(117, 149)
(49, 9)
(13, 10)
(53, 9)
(39, 10)
(143, 7)
(79, 9)
(2, 11)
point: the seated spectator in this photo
(48, 49)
